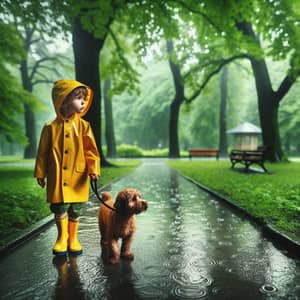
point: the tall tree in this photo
(223, 105)
(91, 23)
(32, 25)
(33, 72)
(86, 53)
(268, 99)
(178, 99)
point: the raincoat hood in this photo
(62, 88)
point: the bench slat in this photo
(204, 153)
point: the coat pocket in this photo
(80, 167)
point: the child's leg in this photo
(61, 219)
(75, 247)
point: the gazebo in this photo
(245, 136)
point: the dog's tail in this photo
(106, 196)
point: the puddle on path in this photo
(187, 246)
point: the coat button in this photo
(67, 135)
(65, 184)
(65, 168)
(66, 151)
(67, 121)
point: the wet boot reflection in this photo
(68, 285)
(120, 281)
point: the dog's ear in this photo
(106, 196)
(121, 202)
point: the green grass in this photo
(23, 202)
(273, 198)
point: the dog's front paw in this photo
(127, 255)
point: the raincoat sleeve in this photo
(91, 152)
(41, 166)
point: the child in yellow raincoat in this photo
(67, 157)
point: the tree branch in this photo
(37, 65)
(119, 49)
(212, 73)
(35, 41)
(42, 81)
(284, 87)
(54, 70)
(288, 81)
(197, 12)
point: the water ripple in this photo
(192, 278)
(268, 289)
(191, 292)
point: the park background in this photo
(167, 76)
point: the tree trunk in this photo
(174, 151)
(29, 117)
(268, 105)
(223, 105)
(30, 149)
(86, 53)
(109, 123)
(268, 101)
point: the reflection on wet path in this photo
(187, 246)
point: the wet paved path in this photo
(187, 246)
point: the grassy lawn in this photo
(23, 201)
(273, 197)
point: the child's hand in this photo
(41, 182)
(94, 177)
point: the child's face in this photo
(76, 105)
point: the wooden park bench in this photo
(204, 153)
(248, 157)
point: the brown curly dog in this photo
(114, 225)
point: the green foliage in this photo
(94, 15)
(12, 99)
(150, 21)
(21, 203)
(117, 60)
(129, 151)
(11, 50)
(156, 153)
(273, 198)
(47, 17)
(143, 119)
(12, 96)
(205, 118)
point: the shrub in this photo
(124, 150)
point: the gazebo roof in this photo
(244, 128)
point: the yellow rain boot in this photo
(75, 247)
(61, 245)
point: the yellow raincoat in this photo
(67, 151)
